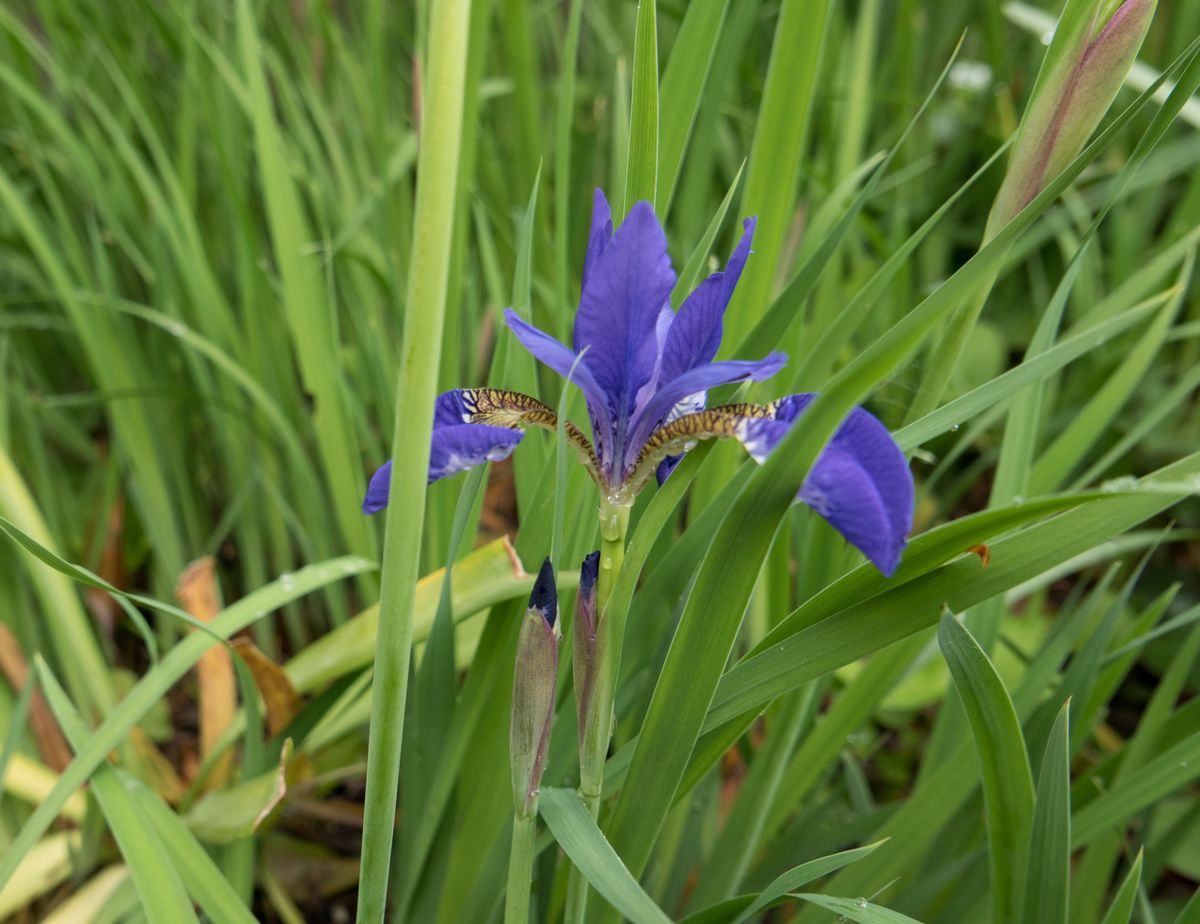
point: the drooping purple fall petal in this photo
(860, 483)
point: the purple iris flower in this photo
(644, 370)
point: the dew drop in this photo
(287, 582)
(955, 428)
(861, 902)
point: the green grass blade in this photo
(17, 719)
(870, 624)
(788, 305)
(310, 318)
(683, 86)
(801, 876)
(577, 834)
(857, 909)
(66, 624)
(158, 885)
(200, 874)
(153, 686)
(1003, 764)
(1191, 911)
(1173, 768)
(736, 845)
(1121, 909)
(773, 175)
(1047, 883)
(1031, 371)
(562, 154)
(641, 178)
(486, 577)
(1091, 421)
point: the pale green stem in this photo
(520, 867)
(421, 348)
(614, 524)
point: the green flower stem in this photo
(520, 867)
(593, 748)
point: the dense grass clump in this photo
(243, 247)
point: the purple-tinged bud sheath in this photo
(1088, 59)
(534, 681)
(584, 654)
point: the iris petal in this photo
(462, 446)
(861, 482)
(840, 488)
(378, 489)
(699, 379)
(472, 426)
(551, 353)
(695, 335)
(454, 449)
(600, 235)
(626, 288)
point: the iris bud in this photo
(534, 682)
(1089, 57)
(583, 655)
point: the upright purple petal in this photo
(695, 335)
(600, 235)
(550, 352)
(861, 482)
(699, 379)
(626, 288)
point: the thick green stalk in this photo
(417, 385)
(597, 729)
(520, 867)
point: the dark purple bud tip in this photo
(545, 595)
(588, 572)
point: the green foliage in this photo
(243, 245)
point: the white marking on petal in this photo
(666, 316)
(751, 435)
(689, 405)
